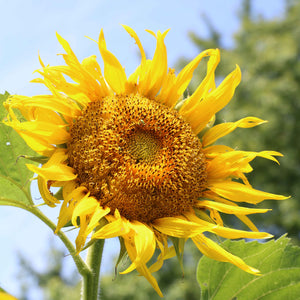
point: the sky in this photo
(27, 28)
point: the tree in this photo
(268, 53)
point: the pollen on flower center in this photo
(138, 156)
(143, 146)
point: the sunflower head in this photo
(137, 156)
(127, 150)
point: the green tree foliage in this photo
(268, 53)
(55, 282)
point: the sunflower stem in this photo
(83, 269)
(91, 282)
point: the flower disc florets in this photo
(138, 156)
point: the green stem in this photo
(83, 269)
(91, 286)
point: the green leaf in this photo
(14, 175)
(278, 261)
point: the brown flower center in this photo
(138, 156)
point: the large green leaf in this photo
(14, 175)
(278, 261)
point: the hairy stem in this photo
(91, 283)
(83, 269)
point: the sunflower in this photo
(135, 160)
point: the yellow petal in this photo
(66, 107)
(198, 111)
(166, 253)
(99, 213)
(39, 145)
(216, 217)
(59, 87)
(213, 151)
(223, 129)
(81, 237)
(144, 243)
(59, 156)
(153, 76)
(247, 222)
(242, 217)
(65, 214)
(83, 82)
(113, 70)
(92, 66)
(132, 85)
(58, 172)
(72, 196)
(178, 227)
(229, 209)
(49, 116)
(216, 252)
(241, 193)
(30, 107)
(171, 92)
(138, 42)
(73, 193)
(66, 46)
(86, 206)
(235, 163)
(143, 270)
(185, 76)
(167, 95)
(228, 233)
(140, 245)
(52, 133)
(88, 75)
(37, 142)
(119, 227)
(45, 193)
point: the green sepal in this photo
(122, 253)
(69, 224)
(38, 159)
(203, 216)
(89, 244)
(59, 194)
(179, 103)
(178, 244)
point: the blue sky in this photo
(28, 28)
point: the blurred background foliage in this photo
(56, 281)
(268, 52)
